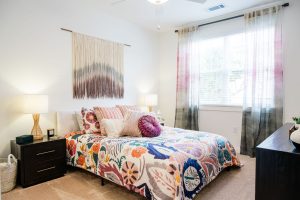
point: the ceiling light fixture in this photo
(157, 2)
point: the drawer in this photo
(44, 151)
(40, 172)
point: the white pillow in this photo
(112, 127)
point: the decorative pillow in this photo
(112, 127)
(125, 108)
(149, 126)
(131, 123)
(108, 113)
(90, 122)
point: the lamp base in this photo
(38, 137)
(150, 108)
(36, 129)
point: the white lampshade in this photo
(151, 100)
(35, 104)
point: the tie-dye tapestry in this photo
(97, 68)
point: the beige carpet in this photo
(79, 185)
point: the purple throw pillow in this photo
(149, 126)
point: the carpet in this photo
(77, 184)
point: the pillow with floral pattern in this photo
(90, 123)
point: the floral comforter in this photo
(175, 165)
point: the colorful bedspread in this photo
(175, 165)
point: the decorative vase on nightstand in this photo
(295, 138)
(36, 104)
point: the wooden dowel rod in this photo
(64, 29)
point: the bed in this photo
(175, 165)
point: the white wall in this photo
(223, 120)
(226, 121)
(167, 76)
(291, 41)
(35, 58)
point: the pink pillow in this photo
(149, 126)
(108, 113)
(90, 123)
(125, 108)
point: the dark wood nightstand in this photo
(277, 167)
(40, 161)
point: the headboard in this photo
(67, 122)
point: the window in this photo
(219, 57)
(221, 61)
(261, 58)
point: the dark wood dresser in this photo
(40, 161)
(277, 167)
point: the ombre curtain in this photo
(263, 94)
(188, 80)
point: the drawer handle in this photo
(46, 152)
(42, 170)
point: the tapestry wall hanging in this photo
(97, 68)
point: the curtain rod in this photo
(229, 18)
(63, 29)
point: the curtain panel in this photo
(188, 80)
(263, 92)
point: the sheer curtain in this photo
(188, 80)
(263, 93)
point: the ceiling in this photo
(174, 13)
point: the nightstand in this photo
(277, 167)
(40, 160)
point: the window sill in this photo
(221, 108)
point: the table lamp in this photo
(150, 101)
(36, 105)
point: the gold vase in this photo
(36, 129)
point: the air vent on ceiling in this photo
(214, 8)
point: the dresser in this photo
(277, 167)
(40, 161)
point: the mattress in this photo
(175, 165)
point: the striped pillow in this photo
(125, 108)
(108, 113)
